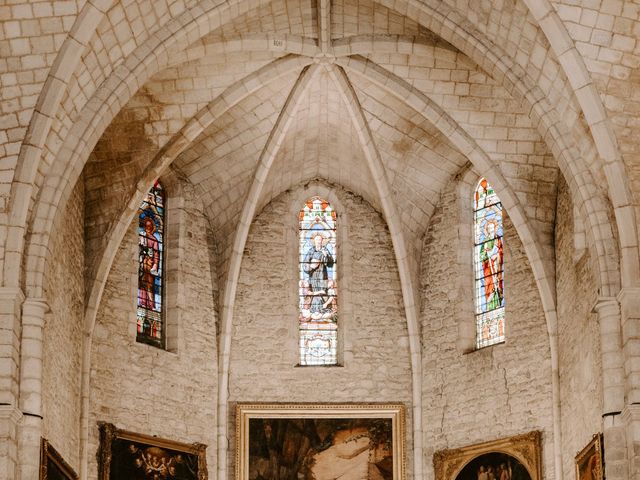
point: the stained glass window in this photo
(317, 283)
(150, 267)
(489, 262)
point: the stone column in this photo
(630, 319)
(613, 388)
(10, 418)
(613, 374)
(10, 330)
(30, 401)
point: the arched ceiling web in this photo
(297, 17)
(419, 160)
(322, 143)
(222, 160)
(356, 17)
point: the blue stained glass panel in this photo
(488, 266)
(150, 328)
(317, 283)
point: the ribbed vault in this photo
(248, 99)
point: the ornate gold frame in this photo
(246, 411)
(594, 444)
(525, 448)
(48, 453)
(109, 432)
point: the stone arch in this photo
(446, 125)
(465, 143)
(52, 194)
(240, 237)
(604, 139)
(233, 95)
(409, 292)
(116, 84)
(449, 25)
(116, 90)
(326, 190)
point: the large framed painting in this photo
(135, 456)
(320, 441)
(589, 461)
(52, 465)
(513, 458)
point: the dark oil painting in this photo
(494, 466)
(138, 461)
(52, 465)
(589, 462)
(133, 456)
(320, 449)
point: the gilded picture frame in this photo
(136, 456)
(590, 460)
(317, 437)
(52, 465)
(523, 451)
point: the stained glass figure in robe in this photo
(318, 299)
(150, 267)
(489, 266)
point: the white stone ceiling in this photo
(324, 140)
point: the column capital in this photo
(605, 305)
(629, 299)
(11, 413)
(7, 293)
(631, 413)
(34, 307)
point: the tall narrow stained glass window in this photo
(151, 216)
(317, 283)
(488, 260)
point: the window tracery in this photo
(318, 307)
(489, 266)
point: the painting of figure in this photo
(512, 458)
(141, 457)
(321, 447)
(589, 465)
(317, 262)
(52, 465)
(494, 466)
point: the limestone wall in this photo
(264, 355)
(579, 338)
(63, 332)
(494, 392)
(145, 389)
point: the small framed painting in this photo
(52, 465)
(136, 456)
(320, 441)
(589, 461)
(513, 458)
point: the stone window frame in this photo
(344, 352)
(466, 338)
(173, 285)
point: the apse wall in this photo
(497, 391)
(62, 346)
(264, 354)
(145, 389)
(578, 336)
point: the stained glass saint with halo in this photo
(151, 215)
(318, 307)
(489, 266)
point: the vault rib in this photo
(269, 152)
(409, 293)
(545, 279)
(324, 25)
(233, 95)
